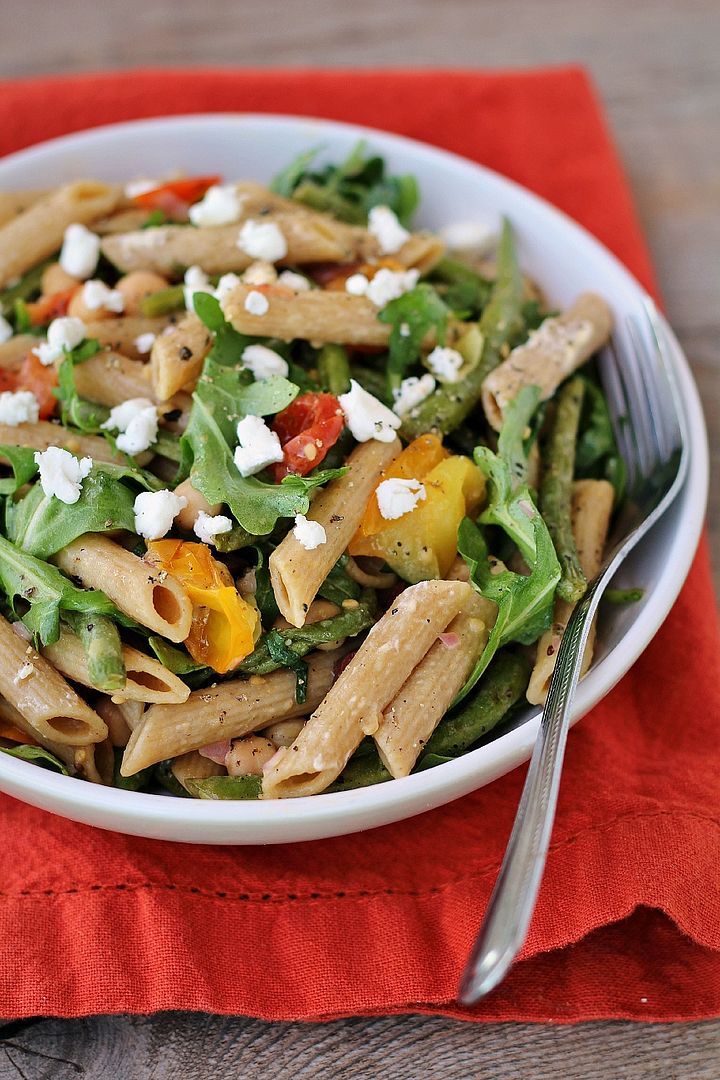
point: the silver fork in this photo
(651, 431)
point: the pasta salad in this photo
(295, 498)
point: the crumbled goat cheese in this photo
(445, 363)
(144, 342)
(96, 294)
(309, 534)
(208, 526)
(155, 512)
(133, 188)
(387, 285)
(260, 273)
(356, 284)
(23, 672)
(256, 303)
(62, 335)
(220, 205)
(6, 330)
(195, 280)
(80, 252)
(396, 497)
(263, 362)
(387, 230)
(476, 236)
(137, 420)
(61, 473)
(262, 240)
(293, 281)
(259, 446)
(367, 417)
(411, 392)
(225, 286)
(19, 407)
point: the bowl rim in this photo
(336, 814)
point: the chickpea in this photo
(136, 286)
(283, 732)
(55, 280)
(196, 502)
(79, 309)
(248, 755)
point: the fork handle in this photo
(512, 903)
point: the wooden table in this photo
(656, 66)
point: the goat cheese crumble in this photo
(225, 286)
(309, 534)
(96, 294)
(293, 281)
(387, 230)
(144, 342)
(220, 205)
(397, 497)
(262, 240)
(18, 407)
(61, 473)
(259, 446)
(208, 526)
(80, 252)
(137, 421)
(445, 363)
(386, 285)
(256, 303)
(63, 335)
(195, 280)
(155, 512)
(411, 392)
(264, 362)
(366, 417)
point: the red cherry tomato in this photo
(174, 197)
(307, 429)
(41, 380)
(43, 311)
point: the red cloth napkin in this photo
(628, 922)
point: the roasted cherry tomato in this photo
(43, 311)
(33, 376)
(307, 429)
(174, 197)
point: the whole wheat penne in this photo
(109, 378)
(552, 352)
(38, 231)
(415, 711)
(297, 574)
(309, 239)
(13, 352)
(193, 766)
(354, 706)
(121, 334)
(125, 219)
(592, 504)
(315, 316)
(176, 358)
(146, 678)
(151, 597)
(225, 711)
(13, 203)
(35, 689)
(93, 762)
(121, 718)
(43, 434)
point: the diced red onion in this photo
(216, 751)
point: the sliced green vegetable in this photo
(137, 782)
(266, 656)
(556, 487)
(515, 439)
(103, 649)
(334, 368)
(283, 656)
(226, 787)
(163, 302)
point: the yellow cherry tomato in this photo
(224, 626)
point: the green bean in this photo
(103, 649)
(556, 487)
(502, 686)
(225, 787)
(334, 368)
(302, 640)
(29, 283)
(235, 539)
(163, 302)
(452, 403)
(375, 382)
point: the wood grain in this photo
(656, 66)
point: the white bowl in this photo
(556, 251)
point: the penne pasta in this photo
(319, 316)
(592, 504)
(109, 378)
(561, 345)
(49, 705)
(13, 352)
(193, 766)
(93, 762)
(147, 680)
(121, 718)
(38, 231)
(414, 713)
(224, 711)
(43, 434)
(297, 573)
(13, 203)
(151, 597)
(120, 334)
(177, 357)
(354, 706)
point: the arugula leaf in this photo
(349, 190)
(76, 411)
(41, 524)
(466, 292)
(417, 311)
(264, 593)
(338, 586)
(176, 660)
(37, 755)
(513, 442)
(22, 463)
(596, 453)
(139, 780)
(48, 592)
(282, 654)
